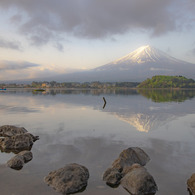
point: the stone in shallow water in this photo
(18, 161)
(138, 181)
(112, 177)
(191, 184)
(10, 130)
(17, 143)
(120, 166)
(70, 179)
(130, 156)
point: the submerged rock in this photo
(10, 130)
(191, 184)
(18, 161)
(17, 143)
(138, 181)
(70, 179)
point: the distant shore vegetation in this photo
(72, 85)
(162, 81)
(156, 82)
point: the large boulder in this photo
(70, 179)
(129, 157)
(18, 161)
(120, 166)
(138, 181)
(17, 143)
(191, 184)
(10, 130)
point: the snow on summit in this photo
(144, 54)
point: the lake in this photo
(74, 128)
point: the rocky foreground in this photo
(127, 170)
(19, 141)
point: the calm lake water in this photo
(74, 128)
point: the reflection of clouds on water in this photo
(193, 125)
(172, 163)
(16, 109)
(75, 128)
(133, 109)
(169, 160)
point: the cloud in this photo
(44, 20)
(11, 65)
(14, 70)
(9, 45)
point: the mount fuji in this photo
(138, 65)
(143, 63)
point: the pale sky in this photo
(41, 37)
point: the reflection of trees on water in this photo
(166, 95)
(87, 92)
(158, 95)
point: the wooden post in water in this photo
(104, 102)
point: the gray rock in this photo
(120, 166)
(27, 156)
(17, 142)
(112, 177)
(127, 170)
(191, 184)
(130, 156)
(138, 181)
(9, 130)
(70, 179)
(18, 161)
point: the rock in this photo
(112, 177)
(191, 184)
(9, 130)
(27, 155)
(120, 166)
(130, 156)
(17, 142)
(70, 179)
(138, 181)
(18, 161)
(127, 170)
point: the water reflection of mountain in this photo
(145, 122)
(127, 106)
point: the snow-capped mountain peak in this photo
(144, 54)
(143, 63)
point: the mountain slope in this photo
(144, 54)
(146, 62)
(138, 65)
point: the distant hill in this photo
(161, 81)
